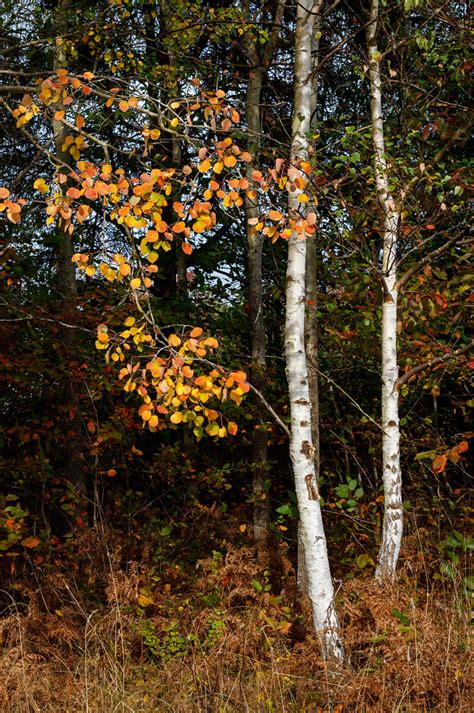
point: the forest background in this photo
(235, 283)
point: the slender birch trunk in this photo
(311, 317)
(392, 478)
(320, 586)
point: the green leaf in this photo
(403, 619)
(342, 491)
(363, 560)
(469, 582)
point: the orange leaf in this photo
(230, 161)
(186, 248)
(124, 269)
(30, 542)
(178, 227)
(238, 376)
(275, 215)
(439, 464)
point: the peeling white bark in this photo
(392, 477)
(320, 586)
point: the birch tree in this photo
(311, 287)
(319, 582)
(392, 477)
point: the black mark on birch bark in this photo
(307, 450)
(311, 486)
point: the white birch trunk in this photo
(311, 317)
(320, 586)
(392, 478)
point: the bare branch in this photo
(434, 362)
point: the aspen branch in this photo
(348, 396)
(433, 362)
(439, 156)
(429, 257)
(270, 410)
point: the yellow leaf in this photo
(90, 270)
(135, 283)
(242, 528)
(174, 340)
(41, 185)
(204, 166)
(144, 601)
(176, 417)
(129, 322)
(174, 122)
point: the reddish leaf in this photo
(439, 464)
(30, 542)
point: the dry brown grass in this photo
(233, 653)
